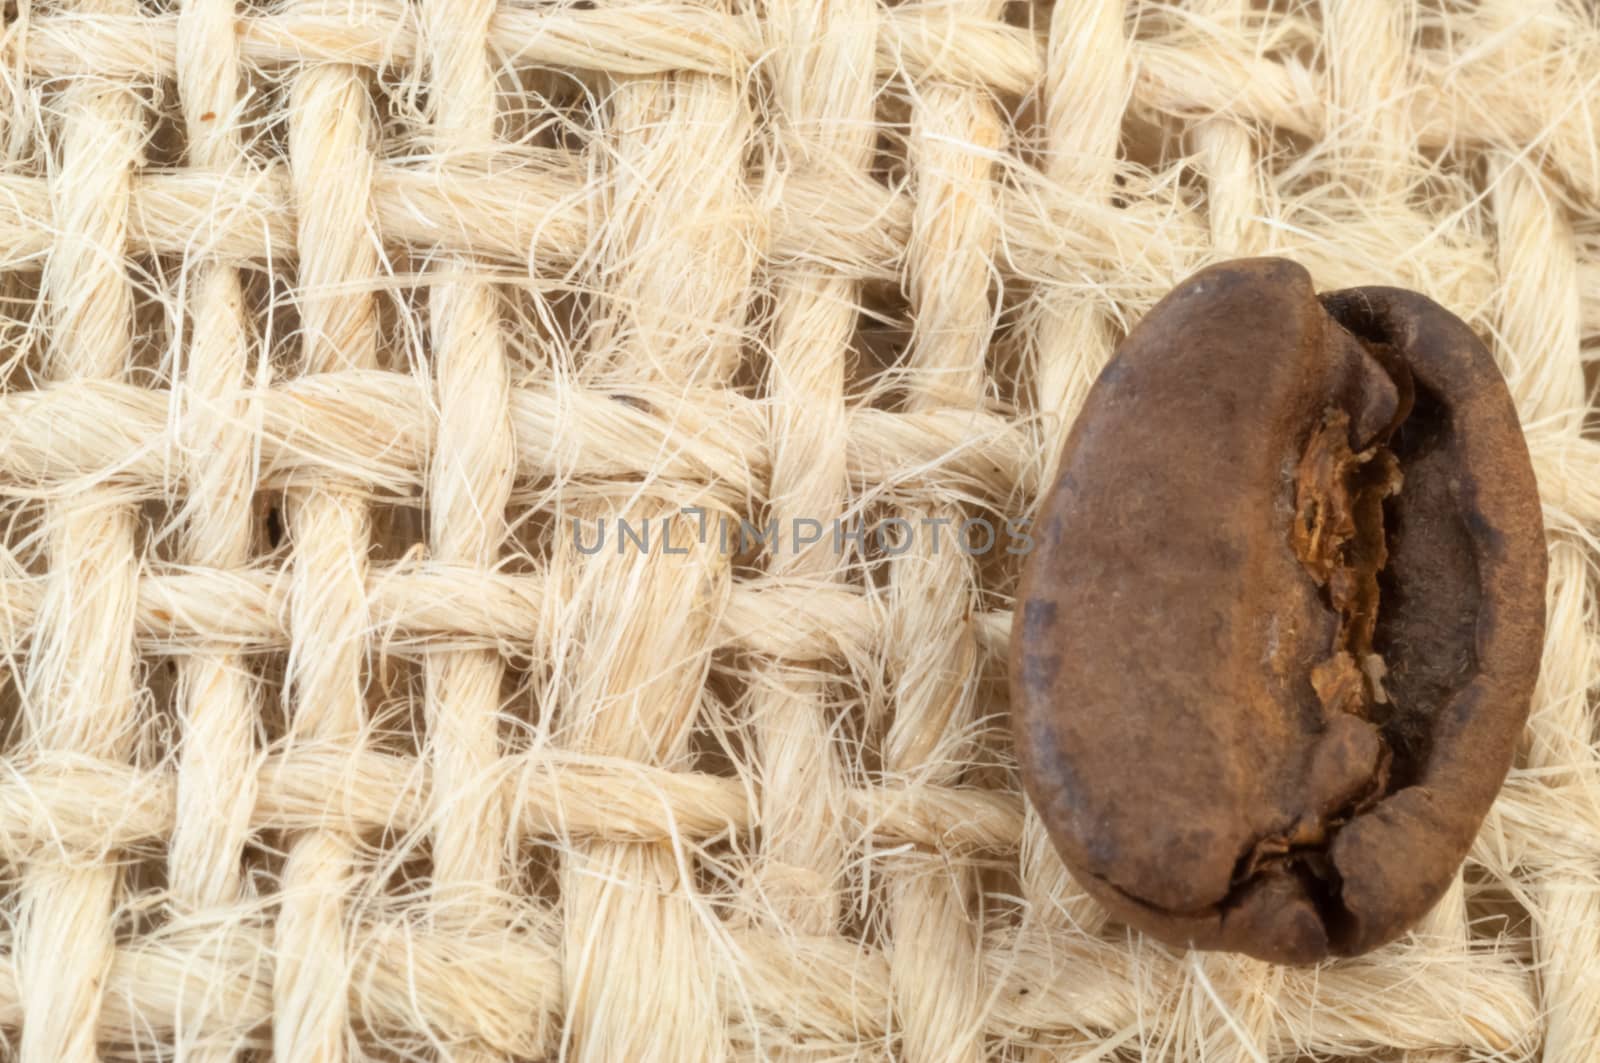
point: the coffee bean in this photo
(1277, 640)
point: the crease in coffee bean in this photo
(1339, 535)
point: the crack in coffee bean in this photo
(1279, 635)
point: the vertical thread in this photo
(635, 648)
(65, 940)
(1539, 305)
(822, 69)
(469, 487)
(217, 698)
(937, 981)
(331, 171)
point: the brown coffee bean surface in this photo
(1280, 630)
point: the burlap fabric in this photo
(333, 334)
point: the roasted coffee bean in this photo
(1277, 639)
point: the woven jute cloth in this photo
(336, 334)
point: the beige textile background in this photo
(322, 321)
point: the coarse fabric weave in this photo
(335, 334)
